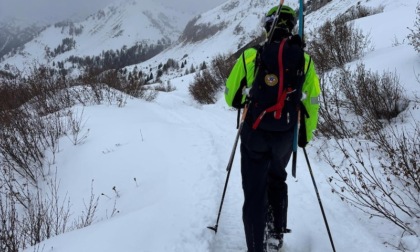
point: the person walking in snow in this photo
(276, 82)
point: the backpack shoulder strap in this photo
(246, 72)
(309, 64)
(243, 85)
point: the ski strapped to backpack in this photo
(271, 32)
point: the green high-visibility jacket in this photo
(241, 76)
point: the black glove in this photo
(302, 140)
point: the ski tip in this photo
(213, 228)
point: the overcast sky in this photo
(56, 10)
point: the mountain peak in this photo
(120, 24)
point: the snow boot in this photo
(273, 239)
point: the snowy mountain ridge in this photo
(122, 23)
(241, 23)
(204, 37)
(128, 22)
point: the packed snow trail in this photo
(304, 217)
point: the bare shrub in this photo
(36, 215)
(332, 120)
(13, 94)
(10, 239)
(373, 99)
(135, 87)
(221, 66)
(387, 187)
(22, 146)
(414, 37)
(209, 82)
(359, 11)
(32, 119)
(204, 88)
(336, 43)
(75, 129)
(374, 96)
(35, 225)
(375, 160)
(314, 5)
(47, 90)
(32, 124)
(88, 215)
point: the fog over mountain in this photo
(48, 11)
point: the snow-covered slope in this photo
(177, 153)
(239, 22)
(227, 28)
(123, 23)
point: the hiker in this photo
(275, 81)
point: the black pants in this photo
(264, 157)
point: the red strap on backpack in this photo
(281, 97)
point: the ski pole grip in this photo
(244, 113)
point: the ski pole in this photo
(301, 27)
(295, 138)
(319, 200)
(229, 167)
(301, 19)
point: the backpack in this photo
(276, 85)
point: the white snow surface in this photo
(167, 161)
